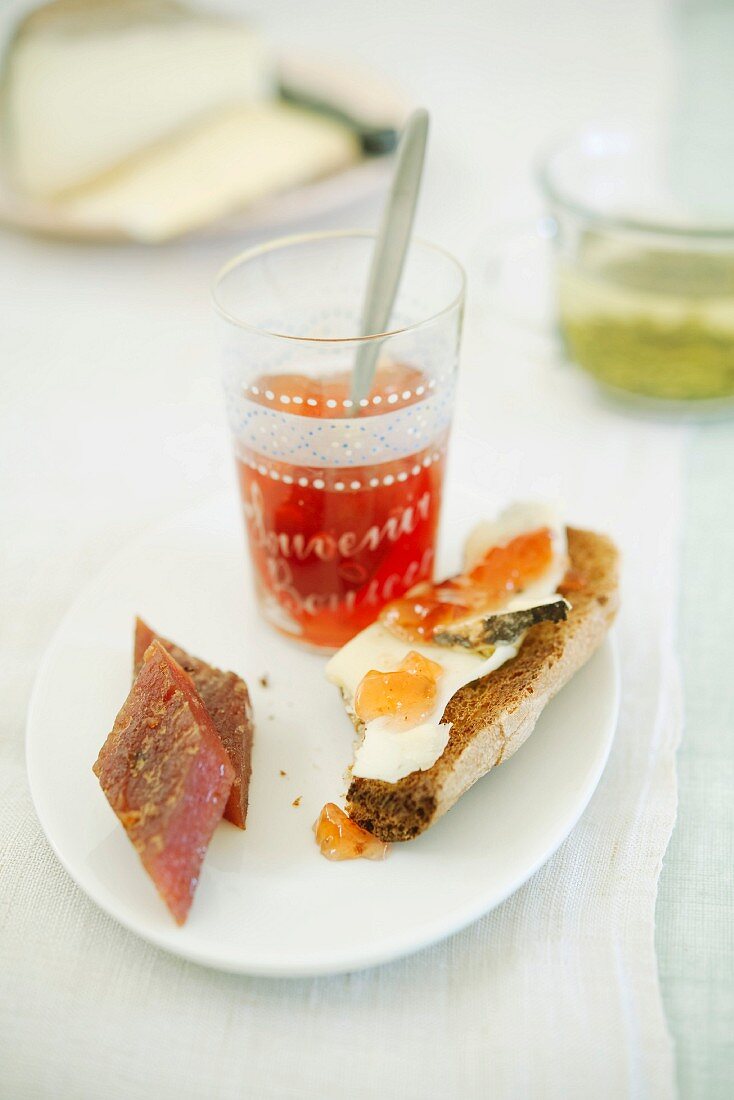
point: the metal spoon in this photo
(391, 247)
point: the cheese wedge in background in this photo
(146, 119)
(88, 84)
(221, 166)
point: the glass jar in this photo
(644, 282)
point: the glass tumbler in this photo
(341, 489)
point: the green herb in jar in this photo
(656, 323)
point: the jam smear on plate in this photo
(339, 837)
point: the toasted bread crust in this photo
(492, 717)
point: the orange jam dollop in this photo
(502, 572)
(339, 837)
(408, 694)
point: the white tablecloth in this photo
(111, 415)
(554, 994)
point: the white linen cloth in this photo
(554, 994)
(110, 415)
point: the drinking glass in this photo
(341, 491)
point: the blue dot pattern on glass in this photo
(280, 434)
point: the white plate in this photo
(365, 93)
(268, 903)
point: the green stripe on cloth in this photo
(695, 913)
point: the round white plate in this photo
(268, 902)
(367, 94)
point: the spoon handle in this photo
(391, 248)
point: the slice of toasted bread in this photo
(492, 717)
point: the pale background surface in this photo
(695, 912)
(499, 78)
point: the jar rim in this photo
(555, 193)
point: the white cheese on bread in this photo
(390, 753)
